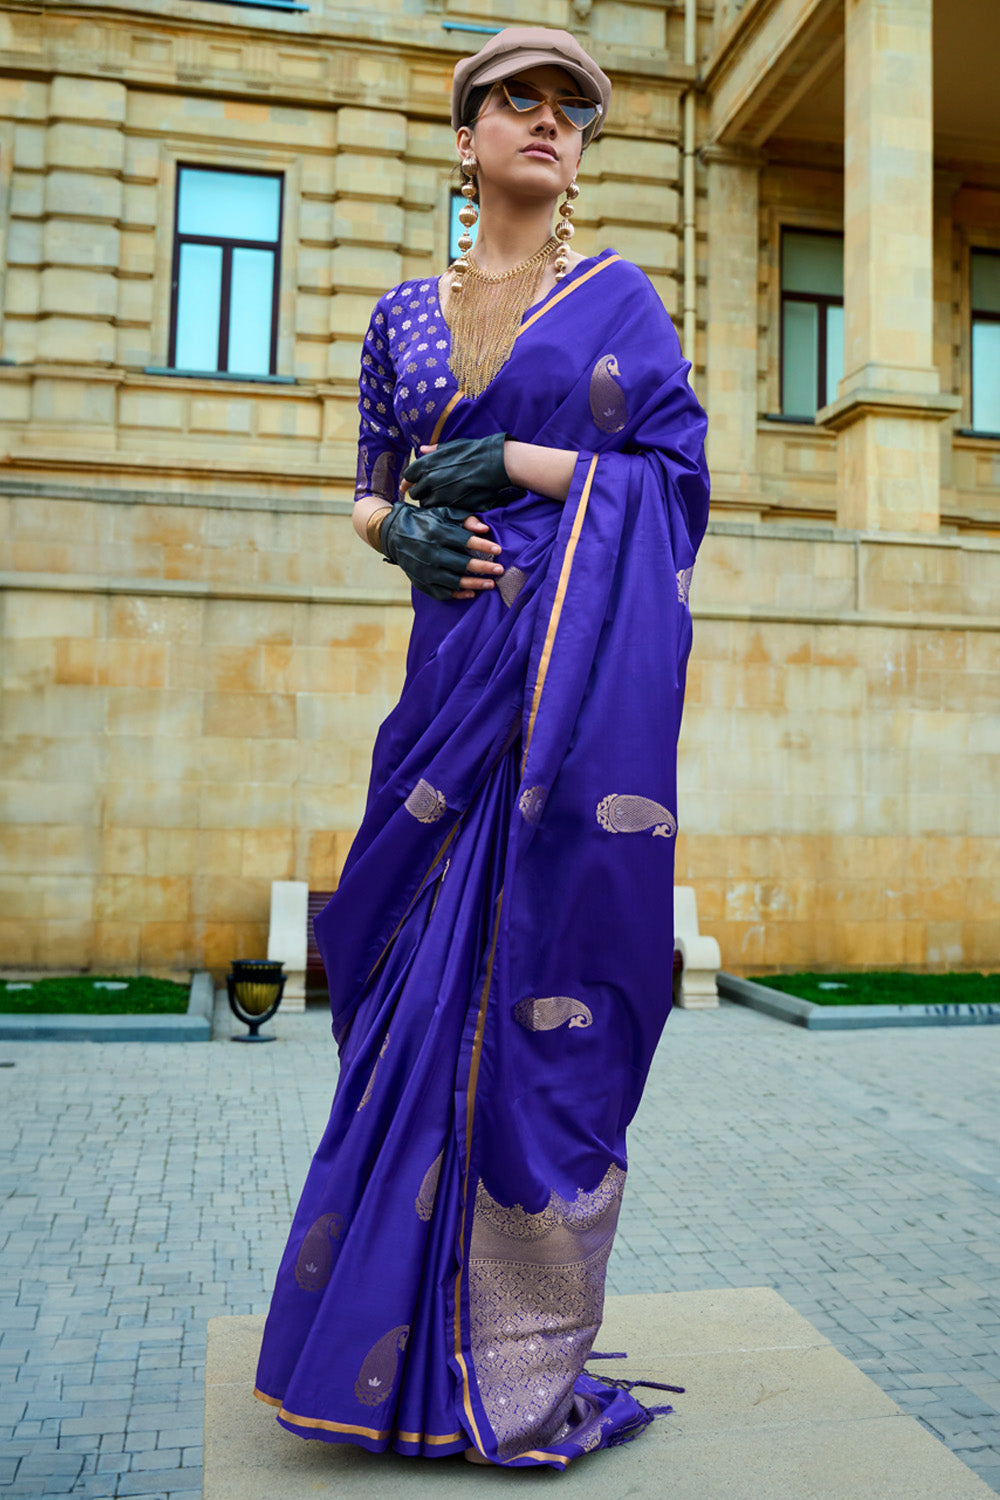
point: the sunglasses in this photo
(575, 110)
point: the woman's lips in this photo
(543, 151)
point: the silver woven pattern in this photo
(531, 804)
(426, 803)
(510, 584)
(608, 406)
(552, 1012)
(623, 813)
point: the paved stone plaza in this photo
(150, 1187)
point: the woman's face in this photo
(536, 154)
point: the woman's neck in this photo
(509, 234)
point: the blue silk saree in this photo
(499, 951)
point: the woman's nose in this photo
(545, 120)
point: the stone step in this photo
(771, 1411)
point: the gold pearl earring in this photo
(468, 215)
(564, 231)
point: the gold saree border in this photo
(566, 291)
(470, 1109)
(432, 1439)
(558, 602)
(416, 897)
(442, 419)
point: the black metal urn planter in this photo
(255, 987)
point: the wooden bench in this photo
(700, 957)
(314, 964)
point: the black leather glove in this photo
(468, 475)
(431, 547)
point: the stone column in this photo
(889, 407)
(731, 393)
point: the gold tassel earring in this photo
(564, 231)
(468, 215)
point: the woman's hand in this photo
(466, 475)
(443, 553)
(484, 568)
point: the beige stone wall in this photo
(191, 693)
(196, 652)
(170, 748)
(359, 128)
(166, 758)
(840, 768)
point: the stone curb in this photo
(769, 1410)
(194, 1026)
(849, 1017)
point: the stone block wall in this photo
(166, 757)
(840, 765)
(196, 652)
(357, 123)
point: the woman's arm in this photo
(365, 507)
(544, 471)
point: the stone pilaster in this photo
(733, 238)
(889, 407)
(84, 159)
(368, 226)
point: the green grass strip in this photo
(82, 995)
(886, 987)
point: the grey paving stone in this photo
(157, 1458)
(153, 1484)
(840, 1169)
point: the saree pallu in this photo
(500, 948)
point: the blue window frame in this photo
(226, 270)
(984, 299)
(812, 319)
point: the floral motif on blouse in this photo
(401, 342)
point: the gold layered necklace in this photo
(485, 318)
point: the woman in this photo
(500, 949)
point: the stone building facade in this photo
(196, 650)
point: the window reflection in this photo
(242, 206)
(250, 315)
(199, 300)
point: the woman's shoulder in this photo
(627, 273)
(406, 295)
(625, 285)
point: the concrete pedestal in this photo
(771, 1411)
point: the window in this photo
(224, 313)
(455, 227)
(812, 320)
(984, 277)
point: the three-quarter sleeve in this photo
(382, 448)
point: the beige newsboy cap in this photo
(519, 47)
